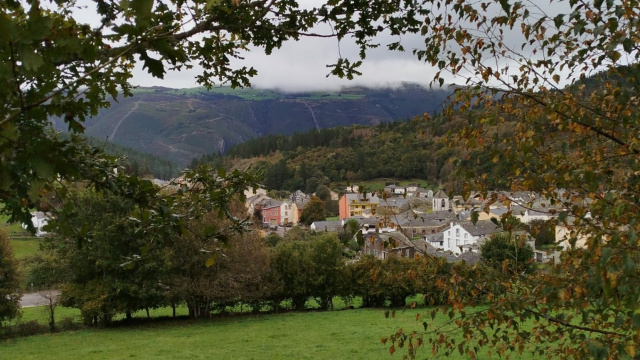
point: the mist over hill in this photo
(182, 124)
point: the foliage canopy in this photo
(575, 142)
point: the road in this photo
(113, 134)
(37, 299)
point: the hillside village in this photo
(409, 221)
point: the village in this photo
(410, 221)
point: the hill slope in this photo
(182, 124)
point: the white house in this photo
(530, 215)
(464, 236)
(39, 219)
(288, 213)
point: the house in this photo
(529, 215)
(300, 199)
(569, 236)
(381, 244)
(421, 193)
(412, 187)
(352, 189)
(395, 189)
(288, 213)
(39, 219)
(392, 206)
(271, 211)
(441, 201)
(417, 225)
(253, 203)
(299, 196)
(466, 236)
(357, 204)
(436, 239)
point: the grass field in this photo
(342, 334)
(379, 184)
(24, 248)
(349, 334)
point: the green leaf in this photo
(31, 60)
(142, 10)
(558, 20)
(156, 68)
(628, 44)
(474, 217)
(505, 6)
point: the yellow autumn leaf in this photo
(631, 350)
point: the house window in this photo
(443, 203)
(465, 236)
(375, 252)
(457, 232)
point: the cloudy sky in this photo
(301, 65)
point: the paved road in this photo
(37, 299)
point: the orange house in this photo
(356, 204)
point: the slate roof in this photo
(425, 248)
(440, 195)
(480, 228)
(332, 226)
(270, 203)
(373, 198)
(437, 237)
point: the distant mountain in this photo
(181, 124)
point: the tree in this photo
(543, 232)
(324, 193)
(313, 211)
(9, 280)
(102, 252)
(553, 98)
(507, 253)
(329, 267)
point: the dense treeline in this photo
(105, 267)
(135, 162)
(399, 150)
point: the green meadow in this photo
(343, 334)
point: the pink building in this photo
(271, 210)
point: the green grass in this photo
(345, 334)
(251, 94)
(352, 334)
(25, 247)
(379, 184)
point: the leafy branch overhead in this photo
(554, 96)
(57, 64)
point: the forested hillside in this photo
(411, 149)
(417, 148)
(136, 162)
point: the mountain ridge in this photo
(182, 124)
